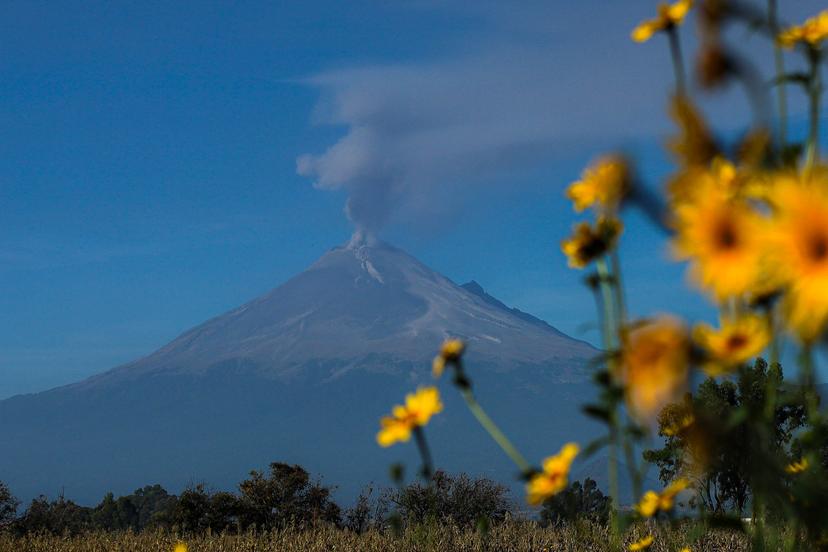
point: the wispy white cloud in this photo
(535, 81)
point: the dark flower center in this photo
(726, 236)
(736, 341)
(818, 248)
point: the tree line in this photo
(287, 495)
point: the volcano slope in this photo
(302, 375)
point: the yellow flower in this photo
(812, 32)
(725, 241)
(738, 340)
(694, 145)
(180, 547)
(450, 352)
(654, 365)
(797, 467)
(648, 505)
(553, 479)
(642, 544)
(685, 549)
(720, 177)
(603, 184)
(669, 494)
(669, 16)
(587, 243)
(418, 410)
(800, 250)
(653, 502)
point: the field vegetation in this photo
(434, 537)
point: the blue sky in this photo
(148, 157)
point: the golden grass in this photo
(511, 536)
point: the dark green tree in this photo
(718, 435)
(190, 512)
(285, 495)
(360, 516)
(198, 510)
(115, 515)
(153, 505)
(578, 501)
(457, 499)
(58, 517)
(146, 507)
(8, 507)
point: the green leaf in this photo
(397, 473)
(635, 431)
(483, 525)
(592, 280)
(737, 417)
(791, 154)
(602, 377)
(594, 446)
(802, 79)
(597, 411)
(396, 524)
(625, 519)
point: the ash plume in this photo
(419, 136)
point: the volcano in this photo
(301, 375)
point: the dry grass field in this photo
(516, 536)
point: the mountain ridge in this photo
(301, 374)
(253, 331)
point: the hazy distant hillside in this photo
(302, 374)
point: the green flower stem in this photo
(610, 325)
(425, 453)
(758, 541)
(806, 377)
(779, 62)
(632, 466)
(774, 340)
(621, 320)
(770, 388)
(612, 468)
(495, 432)
(608, 300)
(678, 61)
(618, 286)
(814, 94)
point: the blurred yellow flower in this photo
(686, 421)
(653, 502)
(180, 547)
(648, 505)
(654, 365)
(642, 544)
(451, 351)
(725, 241)
(603, 184)
(812, 32)
(418, 410)
(797, 467)
(694, 145)
(553, 479)
(587, 243)
(800, 249)
(685, 549)
(738, 340)
(669, 15)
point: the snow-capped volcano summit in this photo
(300, 374)
(370, 307)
